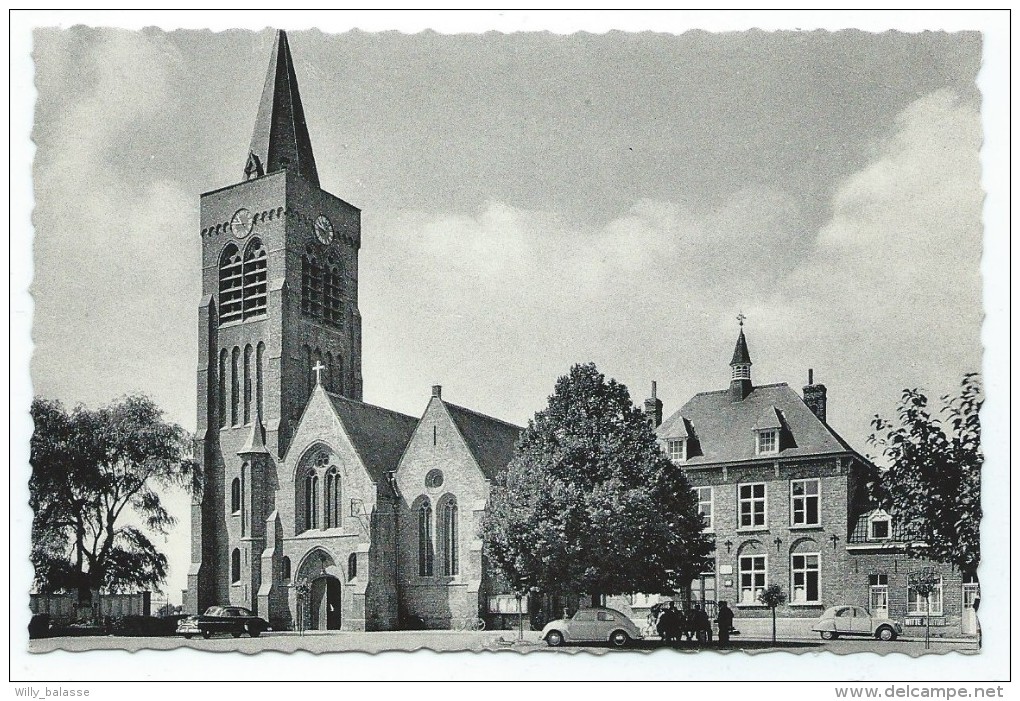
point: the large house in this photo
(785, 500)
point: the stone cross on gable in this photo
(318, 368)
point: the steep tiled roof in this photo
(769, 418)
(490, 440)
(725, 429)
(378, 435)
(860, 533)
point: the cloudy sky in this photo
(531, 201)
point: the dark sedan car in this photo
(223, 619)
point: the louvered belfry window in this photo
(230, 284)
(255, 279)
(243, 282)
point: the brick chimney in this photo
(437, 391)
(814, 396)
(653, 409)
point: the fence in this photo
(63, 608)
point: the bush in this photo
(39, 626)
(143, 626)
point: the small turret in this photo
(740, 376)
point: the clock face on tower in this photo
(324, 229)
(241, 223)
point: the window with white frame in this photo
(804, 502)
(917, 605)
(677, 449)
(768, 441)
(880, 528)
(752, 505)
(804, 571)
(705, 505)
(753, 572)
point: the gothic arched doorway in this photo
(324, 603)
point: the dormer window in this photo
(767, 441)
(677, 449)
(880, 526)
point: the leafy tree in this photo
(589, 503)
(773, 597)
(932, 483)
(90, 469)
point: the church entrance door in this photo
(325, 603)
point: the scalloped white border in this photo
(993, 663)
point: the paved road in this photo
(450, 640)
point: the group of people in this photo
(673, 623)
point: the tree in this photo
(589, 503)
(932, 484)
(90, 469)
(773, 597)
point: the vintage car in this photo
(223, 619)
(599, 624)
(854, 620)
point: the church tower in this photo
(279, 299)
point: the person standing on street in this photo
(725, 621)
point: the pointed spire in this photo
(740, 354)
(280, 140)
(255, 445)
(740, 377)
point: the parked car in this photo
(854, 620)
(604, 625)
(223, 619)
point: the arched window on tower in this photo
(352, 566)
(451, 551)
(337, 373)
(244, 490)
(254, 297)
(235, 496)
(285, 569)
(260, 353)
(235, 567)
(426, 546)
(333, 295)
(334, 510)
(235, 386)
(222, 394)
(311, 285)
(230, 284)
(248, 353)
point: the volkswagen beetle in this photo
(600, 624)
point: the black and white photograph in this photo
(670, 345)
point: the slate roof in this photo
(378, 435)
(724, 429)
(860, 533)
(491, 441)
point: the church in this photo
(319, 511)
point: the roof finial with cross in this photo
(318, 368)
(741, 318)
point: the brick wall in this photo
(792, 539)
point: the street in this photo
(474, 641)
